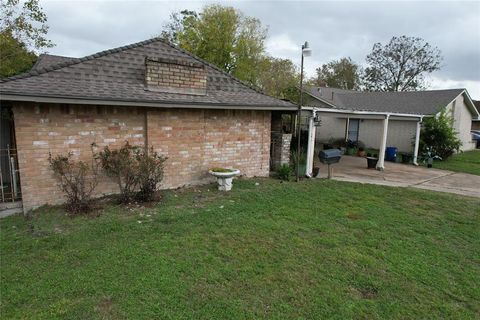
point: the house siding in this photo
(462, 122)
(400, 132)
(192, 139)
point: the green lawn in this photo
(315, 249)
(468, 162)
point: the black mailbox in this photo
(330, 156)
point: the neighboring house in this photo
(148, 93)
(401, 132)
(476, 122)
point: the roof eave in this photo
(5, 96)
(365, 112)
(473, 108)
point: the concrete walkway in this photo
(354, 169)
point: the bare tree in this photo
(401, 64)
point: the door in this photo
(353, 127)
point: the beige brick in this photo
(194, 141)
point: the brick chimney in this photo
(175, 76)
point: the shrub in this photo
(284, 172)
(351, 144)
(150, 173)
(136, 171)
(77, 179)
(301, 163)
(438, 136)
(337, 143)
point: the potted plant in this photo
(372, 162)
(361, 152)
(428, 157)
(224, 177)
(361, 149)
(351, 147)
(406, 157)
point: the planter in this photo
(371, 162)
(406, 157)
(361, 153)
(430, 162)
(224, 177)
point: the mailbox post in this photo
(328, 157)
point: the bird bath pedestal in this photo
(224, 177)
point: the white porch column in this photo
(311, 144)
(383, 145)
(417, 142)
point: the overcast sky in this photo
(333, 29)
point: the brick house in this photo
(148, 93)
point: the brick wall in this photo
(194, 140)
(175, 76)
(280, 149)
(197, 140)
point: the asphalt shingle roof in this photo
(118, 75)
(416, 102)
(50, 60)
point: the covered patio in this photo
(354, 169)
(316, 114)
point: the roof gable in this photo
(119, 75)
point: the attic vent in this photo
(175, 76)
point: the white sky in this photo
(334, 29)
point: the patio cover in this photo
(384, 116)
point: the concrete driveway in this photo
(354, 169)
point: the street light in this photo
(306, 52)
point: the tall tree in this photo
(221, 35)
(279, 78)
(401, 64)
(15, 57)
(23, 30)
(343, 74)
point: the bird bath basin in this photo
(224, 177)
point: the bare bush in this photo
(77, 180)
(136, 171)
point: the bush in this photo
(150, 173)
(438, 136)
(136, 171)
(351, 144)
(284, 172)
(77, 179)
(337, 143)
(301, 163)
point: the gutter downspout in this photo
(417, 141)
(311, 144)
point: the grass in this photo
(468, 162)
(315, 249)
